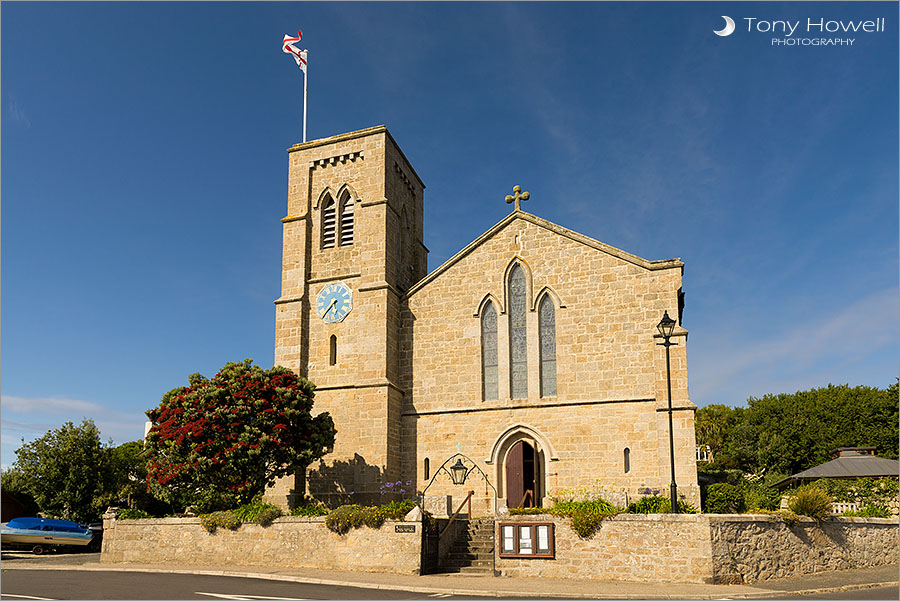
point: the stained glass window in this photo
(547, 326)
(489, 352)
(518, 346)
(328, 222)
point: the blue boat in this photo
(41, 533)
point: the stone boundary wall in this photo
(708, 548)
(290, 542)
(748, 548)
(635, 547)
(627, 547)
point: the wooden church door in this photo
(521, 476)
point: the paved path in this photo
(485, 586)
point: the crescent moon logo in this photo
(729, 27)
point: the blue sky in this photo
(144, 174)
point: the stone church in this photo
(533, 351)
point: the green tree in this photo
(66, 470)
(787, 433)
(218, 443)
(13, 482)
(713, 423)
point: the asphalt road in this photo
(37, 585)
(66, 584)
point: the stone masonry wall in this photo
(649, 548)
(611, 374)
(291, 542)
(756, 547)
(709, 548)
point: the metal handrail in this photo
(528, 493)
(458, 509)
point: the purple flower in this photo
(409, 482)
(352, 491)
(389, 484)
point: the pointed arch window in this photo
(547, 334)
(518, 343)
(489, 353)
(346, 220)
(328, 222)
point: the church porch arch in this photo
(520, 458)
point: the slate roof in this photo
(862, 466)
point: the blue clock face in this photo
(334, 302)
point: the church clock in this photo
(334, 302)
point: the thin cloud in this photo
(45, 405)
(17, 113)
(827, 342)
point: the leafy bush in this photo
(310, 510)
(397, 510)
(759, 497)
(346, 517)
(224, 519)
(871, 510)
(261, 513)
(811, 501)
(659, 504)
(132, 514)
(724, 498)
(219, 442)
(585, 515)
(860, 490)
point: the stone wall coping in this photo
(285, 519)
(768, 517)
(695, 517)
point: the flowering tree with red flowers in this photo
(218, 443)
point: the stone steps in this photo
(473, 552)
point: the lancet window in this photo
(547, 334)
(518, 334)
(346, 220)
(328, 222)
(489, 377)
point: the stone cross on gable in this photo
(519, 196)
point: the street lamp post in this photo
(666, 326)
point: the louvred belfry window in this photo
(346, 221)
(328, 223)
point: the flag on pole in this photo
(299, 55)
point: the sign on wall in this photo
(527, 540)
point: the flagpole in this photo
(305, 75)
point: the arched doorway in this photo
(523, 475)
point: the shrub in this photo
(261, 513)
(310, 510)
(132, 514)
(759, 497)
(397, 510)
(346, 517)
(724, 498)
(585, 516)
(224, 519)
(659, 504)
(811, 501)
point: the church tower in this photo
(352, 247)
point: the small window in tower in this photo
(346, 220)
(427, 468)
(627, 460)
(328, 222)
(332, 350)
